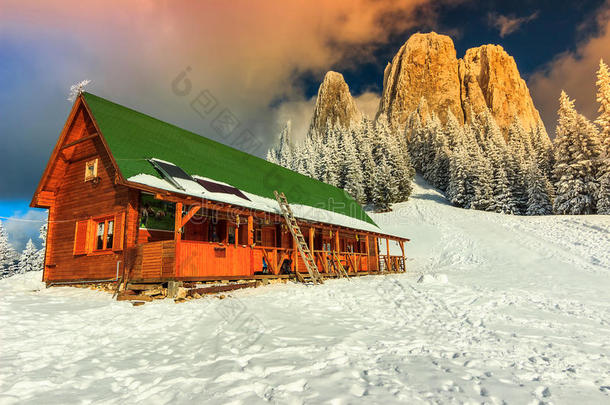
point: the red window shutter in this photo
(81, 233)
(119, 231)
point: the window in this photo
(258, 236)
(91, 170)
(231, 237)
(104, 234)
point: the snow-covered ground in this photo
(513, 309)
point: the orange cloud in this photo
(246, 52)
(573, 72)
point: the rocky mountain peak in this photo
(426, 66)
(490, 78)
(334, 104)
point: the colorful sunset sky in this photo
(262, 60)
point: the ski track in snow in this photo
(524, 318)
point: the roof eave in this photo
(156, 190)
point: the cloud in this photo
(23, 226)
(509, 24)
(573, 72)
(247, 54)
(368, 103)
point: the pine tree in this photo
(27, 260)
(272, 156)
(365, 155)
(517, 160)
(453, 130)
(538, 199)
(330, 166)
(576, 158)
(502, 200)
(543, 149)
(284, 152)
(40, 256)
(353, 178)
(385, 186)
(7, 254)
(603, 176)
(458, 178)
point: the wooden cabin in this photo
(133, 197)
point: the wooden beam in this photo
(402, 249)
(177, 237)
(84, 139)
(368, 258)
(250, 230)
(312, 232)
(220, 288)
(387, 245)
(270, 263)
(337, 242)
(190, 214)
(377, 254)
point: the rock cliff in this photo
(426, 66)
(334, 105)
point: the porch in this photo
(206, 261)
(214, 242)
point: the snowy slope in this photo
(524, 317)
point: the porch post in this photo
(387, 245)
(377, 254)
(236, 239)
(402, 249)
(250, 231)
(368, 252)
(337, 244)
(338, 247)
(177, 237)
(295, 261)
(311, 236)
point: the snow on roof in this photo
(257, 202)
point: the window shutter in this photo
(119, 231)
(81, 233)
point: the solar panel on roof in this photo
(170, 172)
(214, 187)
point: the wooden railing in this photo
(205, 259)
(391, 263)
(152, 260)
(274, 257)
(161, 260)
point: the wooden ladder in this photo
(295, 230)
(339, 267)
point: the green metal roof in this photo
(134, 137)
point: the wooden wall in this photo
(77, 200)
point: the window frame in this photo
(93, 176)
(105, 220)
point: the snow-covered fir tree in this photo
(40, 255)
(603, 176)
(538, 199)
(519, 155)
(350, 158)
(28, 259)
(458, 178)
(385, 185)
(7, 254)
(351, 172)
(577, 151)
(284, 152)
